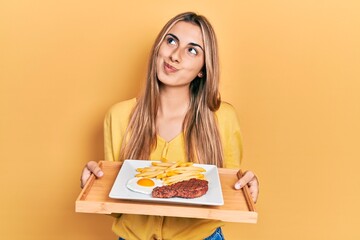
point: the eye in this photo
(171, 41)
(193, 51)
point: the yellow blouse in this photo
(130, 226)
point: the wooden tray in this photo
(94, 198)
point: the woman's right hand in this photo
(90, 167)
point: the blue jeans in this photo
(217, 235)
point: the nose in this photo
(175, 55)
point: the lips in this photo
(169, 68)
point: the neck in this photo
(174, 101)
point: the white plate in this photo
(128, 170)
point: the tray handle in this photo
(247, 194)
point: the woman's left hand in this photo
(250, 179)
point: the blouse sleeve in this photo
(108, 143)
(115, 124)
(230, 136)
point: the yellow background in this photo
(291, 69)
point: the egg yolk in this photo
(145, 182)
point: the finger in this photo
(90, 167)
(254, 191)
(245, 179)
(85, 176)
(94, 168)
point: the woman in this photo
(178, 117)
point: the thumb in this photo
(94, 168)
(245, 179)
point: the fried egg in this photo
(143, 185)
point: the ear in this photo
(200, 74)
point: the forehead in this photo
(187, 33)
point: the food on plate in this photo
(192, 188)
(143, 185)
(180, 179)
(182, 176)
(171, 173)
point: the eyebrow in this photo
(191, 43)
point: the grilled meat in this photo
(192, 188)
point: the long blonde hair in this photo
(201, 134)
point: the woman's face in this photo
(181, 55)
